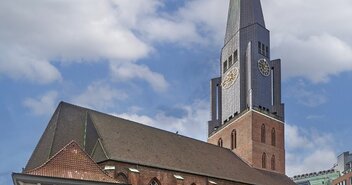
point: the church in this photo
(245, 137)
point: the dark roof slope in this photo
(106, 137)
(72, 162)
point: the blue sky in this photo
(151, 61)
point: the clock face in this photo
(230, 78)
(264, 67)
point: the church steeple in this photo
(246, 98)
(243, 13)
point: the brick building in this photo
(246, 131)
(345, 179)
(344, 166)
(141, 155)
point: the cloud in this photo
(99, 95)
(34, 35)
(192, 124)
(310, 98)
(43, 105)
(210, 17)
(308, 151)
(132, 71)
(313, 43)
(316, 58)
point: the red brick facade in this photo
(343, 180)
(258, 139)
(163, 176)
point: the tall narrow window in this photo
(230, 61)
(260, 47)
(262, 134)
(220, 142)
(225, 66)
(235, 56)
(267, 51)
(233, 139)
(263, 49)
(264, 160)
(273, 137)
(273, 162)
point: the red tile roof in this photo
(72, 162)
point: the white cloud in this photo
(304, 96)
(311, 37)
(129, 71)
(209, 15)
(43, 105)
(312, 43)
(35, 34)
(99, 95)
(308, 151)
(192, 124)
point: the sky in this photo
(151, 61)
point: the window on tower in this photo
(263, 49)
(273, 137)
(233, 139)
(230, 61)
(235, 56)
(262, 134)
(264, 160)
(267, 51)
(260, 47)
(225, 66)
(273, 162)
(220, 143)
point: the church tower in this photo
(247, 115)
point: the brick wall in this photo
(343, 180)
(165, 177)
(249, 145)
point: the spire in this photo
(243, 13)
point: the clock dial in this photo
(264, 67)
(230, 78)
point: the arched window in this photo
(154, 181)
(273, 162)
(273, 137)
(233, 139)
(220, 143)
(262, 134)
(264, 160)
(121, 177)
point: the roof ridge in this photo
(134, 122)
(100, 138)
